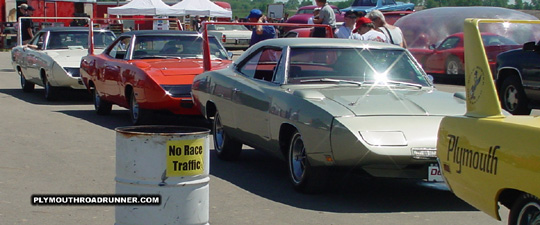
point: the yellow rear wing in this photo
(482, 98)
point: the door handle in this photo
(236, 90)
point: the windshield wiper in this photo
(332, 80)
(398, 83)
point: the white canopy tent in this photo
(142, 7)
(199, 8)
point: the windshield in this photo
(175, 46)
(64, 40)
(364, 3)
(368, 66)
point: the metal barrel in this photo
(170, 161)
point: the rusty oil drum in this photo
(170, 161)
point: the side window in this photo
(262, 65)
(449, 43)
(120, 49)
(389, 2)
(38, 40)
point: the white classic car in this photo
(232, 36)
(52, 58)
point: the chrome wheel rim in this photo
(510, 98)
(529, 214)
(453, 68)
(297, 158)
(218, 133)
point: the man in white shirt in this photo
(316, 12)
(365, 27)
(393, 33)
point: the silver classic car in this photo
(326, 105)
(52, 58)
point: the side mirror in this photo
(433, 46)
(529, 46)
(431, 79)
(230, 54)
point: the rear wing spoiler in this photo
(206, 44)
(482, 98)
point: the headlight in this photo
(384, 138)
(73, 72)
(177, 91)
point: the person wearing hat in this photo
(365, 27)
(345, 31)
(260, 32)
(393, 33)
(316, 12)
(326, 16)
(27, 25)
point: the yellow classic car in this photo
(488, 157)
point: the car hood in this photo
(369, 101)
(169, 68)
(68, 58)
(359, 8)
(234, 33)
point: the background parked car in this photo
(517, 79)
(232, 36)
(52, 58)
(365, 6)
(448, 57)
(305, 12)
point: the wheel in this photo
(101, 107)
(526, 211)
(454, 66)
(138, 116)
(226, 147)
(50, 91)
(305, 178)
(513, 97)
(26, 85)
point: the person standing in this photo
(393, 33)
(345, 31)
(316, 12)
(326, 16)
(260, 32)
(365, 27)
(27, 26)
(196, 23)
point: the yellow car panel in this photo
(485, 156)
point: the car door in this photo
(437, 60)
(530, 60)
(251, 96)
(32, 58)
(109, 72)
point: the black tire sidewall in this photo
(523, 200)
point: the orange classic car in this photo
(148, 71)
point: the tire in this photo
(50, 91)
(525, 211)
(26, 85)
(305, 178)
(513, 97)
(454, 66)
(101, 106)
(226, 147)
(138, 116)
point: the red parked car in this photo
(301, 32)
(448, 56)
(147, 71)
(305, 12)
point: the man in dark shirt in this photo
(27, 25)
(260, 32)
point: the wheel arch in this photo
(286, 130)
(210, 109)
(508, 197)
(506, 72)
(127, 93)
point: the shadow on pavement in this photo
(64, 96)
(266, 176)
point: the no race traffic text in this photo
(186, 151)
